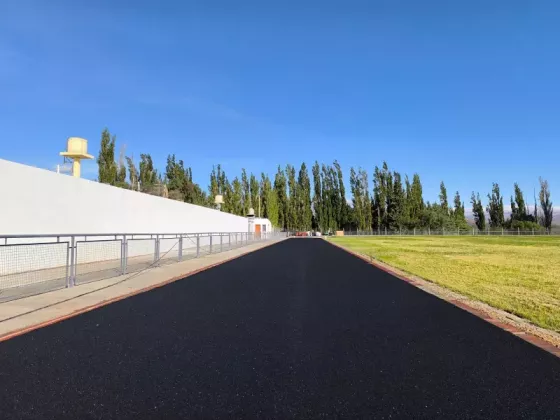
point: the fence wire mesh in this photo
(98, 259)
(450, 232)
(169, 250)
(36, 267)
(36, 264)
(140, 254)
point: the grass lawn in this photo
(520, 275)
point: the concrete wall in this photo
(266, 226)
(36, 201)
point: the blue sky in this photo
(464, 91)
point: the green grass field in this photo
(520, 275)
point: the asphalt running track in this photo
(300, 329)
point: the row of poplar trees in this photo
(294, 201)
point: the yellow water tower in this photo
(76, 150)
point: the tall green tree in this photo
(459, 212)
(415, 203)
(132, 173)
(478, 212)
(282, 198)
(273, 210)
(247, 202)
(255, 195)
(304, 199)
(327, 188)
(379, 199)
(364, 184)
(148, 174)
(121, 171)
(383, 197)
(237, 198)
(546, 205)
(292, 215)
(106, 159)
(518, 207)
(357, 200)
(397, 210)
(343, 213)
(443, 198)
(175, 174)
(496, 207)
(265, 189)
(317, 197)
(192, 192)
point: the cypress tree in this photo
(304, 198)
(255, 195)
(317, 197)
(343, 212)
(478, 212)
(496, 207)
(280, 191)
(106, 159)
(247, 204)
(546, 205)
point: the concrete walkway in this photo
(22, 315)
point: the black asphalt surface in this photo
(300, 329)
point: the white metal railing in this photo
(31, 264)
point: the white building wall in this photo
(36, 201)
(266, 226)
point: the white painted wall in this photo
(262, 222)
(36, 201)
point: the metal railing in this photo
(33, 264)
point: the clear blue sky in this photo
(464, 91)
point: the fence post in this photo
(180, 254)
(156, 251)
(502, 231)
(229, 241)
(210, 243)
(442, 231)
(68, 262)
(518, 233)
(123, 255)
(197, 245)
(533, 231)
(429, 231)
(73, 260)
(385, 230)
(221, 242)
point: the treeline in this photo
(294, 201)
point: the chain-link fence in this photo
(36, 264)
(453, 232)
